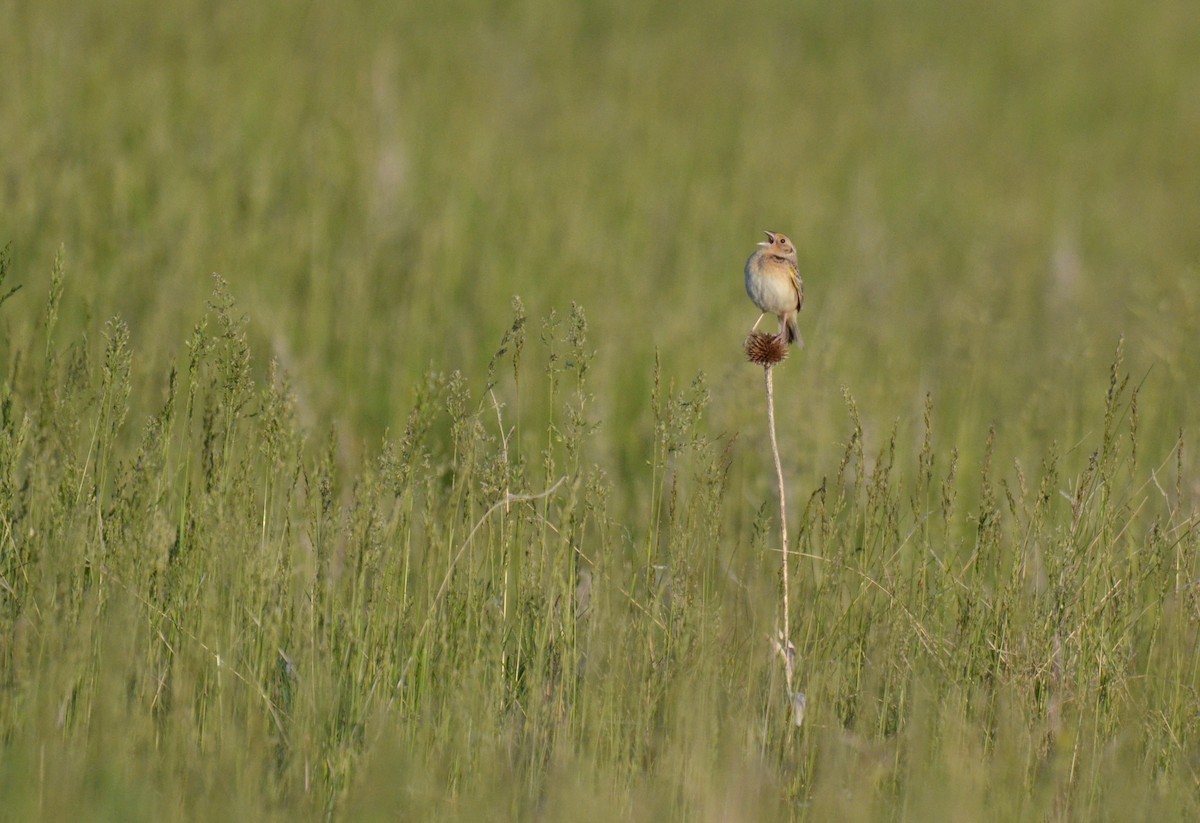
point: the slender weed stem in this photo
(784, 642)
(768, 351)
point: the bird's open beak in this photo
(770, 238)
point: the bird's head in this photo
(779, 245)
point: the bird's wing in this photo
(797, 284)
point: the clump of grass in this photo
(231, 592)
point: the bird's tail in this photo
(792, 331)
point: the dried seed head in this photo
(766, 349)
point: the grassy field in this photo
(376, 440)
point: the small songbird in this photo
(773, 283)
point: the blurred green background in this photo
(986, 197)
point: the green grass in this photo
(450, 496)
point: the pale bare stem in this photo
(783, 644)
(768, 350)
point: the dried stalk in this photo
(768, 351)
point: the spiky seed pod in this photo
(766, 350)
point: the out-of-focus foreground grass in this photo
(293, 539)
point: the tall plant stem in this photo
(784, 642)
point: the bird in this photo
(773, 283)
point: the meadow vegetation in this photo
(376, 440)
